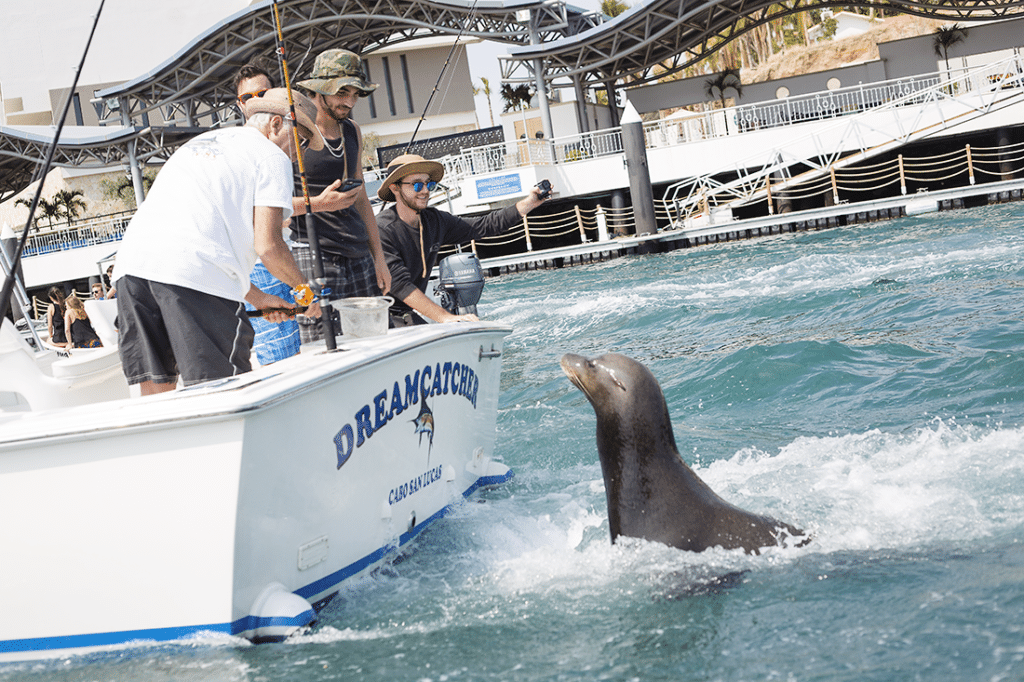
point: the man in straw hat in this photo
(412, 234)
(183, 268)
(349, 242)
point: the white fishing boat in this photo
(236, 506)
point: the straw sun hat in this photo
(275, 101)
(405, 165)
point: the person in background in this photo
(97, 292)
(55, 317)
(111, 289)
(184, 263)
(412, 234)
(280, 340)
(353, 259)
(79, 328)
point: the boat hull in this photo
(216, 508)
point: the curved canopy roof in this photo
(193, 89)
(659, 37)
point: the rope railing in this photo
(934, 168)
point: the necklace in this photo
(337, 152)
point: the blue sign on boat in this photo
(487, 188)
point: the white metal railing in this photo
(108, 228)
(692, 127)
(696, 195)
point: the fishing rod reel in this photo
(460, 283)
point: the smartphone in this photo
(350, 185)
(545, 188)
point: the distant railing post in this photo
(602, 224)
(579, 221)
(970, 165)
(768, 189)
(903, 176)
(835, 187)
(526, 228)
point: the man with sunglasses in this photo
(412, 234)
(353, 260)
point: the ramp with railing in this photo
(867, 122)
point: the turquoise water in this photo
(864, 383)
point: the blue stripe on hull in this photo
(101, 639)
(246, 624)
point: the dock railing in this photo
(694, 196)
(685, 127)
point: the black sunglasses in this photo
(246, 96)
(419, 185)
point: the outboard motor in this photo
(461, 283)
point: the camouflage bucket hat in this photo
(334, 69)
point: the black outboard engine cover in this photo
(461, 283)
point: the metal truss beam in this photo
(195, 88)
(21, 154)
(661, 37)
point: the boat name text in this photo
(448, 378)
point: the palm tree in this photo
(515, 98)
(71, 202)
(51, 210)
(946, 37)
(726, 80)
(124, 189)
(613, 8)
(485, 89)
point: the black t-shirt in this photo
(341, 233)
(401, 243)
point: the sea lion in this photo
(652, 493)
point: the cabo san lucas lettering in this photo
(448, 378)
(413, 486)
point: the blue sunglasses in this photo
(419, 185)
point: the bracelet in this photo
(303, 295)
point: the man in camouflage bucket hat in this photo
(334, 69)
(354, 262)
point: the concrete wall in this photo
(912, 56)
(392, 100)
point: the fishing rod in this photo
(8, 288)
(440, 75)
(312, 234)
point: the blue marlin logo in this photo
(424, 422)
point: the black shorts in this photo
(165, 330)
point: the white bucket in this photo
(362, 317)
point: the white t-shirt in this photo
(195, 228)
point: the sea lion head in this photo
(611, 382)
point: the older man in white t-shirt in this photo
(183, 268)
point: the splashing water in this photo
(864, 383)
